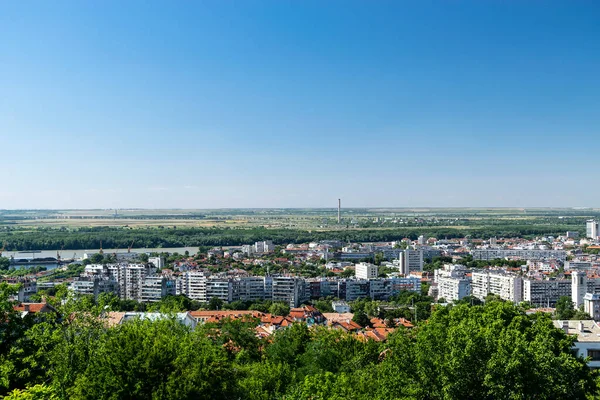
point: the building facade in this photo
(545, 293)
(365, 271)
(507, 286)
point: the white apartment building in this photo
(588, 339)
(545, 293)
(94, 285)
(266, 246)
(580, 265)
(509, 287)
(582, 284)
(591, 229)
(193, 285)
(247, 249)
(365, 271)
(158, 262)
(591, 305)
(411, 261)
(524, 254)
(130, 278)
(452, 282)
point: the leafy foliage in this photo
(462, 351)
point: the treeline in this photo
(121, 238)
(494, 351)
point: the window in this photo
(594, 354)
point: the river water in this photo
(69, 254)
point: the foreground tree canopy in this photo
(493, 351)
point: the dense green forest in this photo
(18, 239)
(494, 351)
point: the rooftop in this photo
(586, 330)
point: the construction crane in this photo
(130, 246)
(58, 252)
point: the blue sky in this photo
(225, 103)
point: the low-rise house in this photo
(378, 334)
(340, 306)
(119, 318)
(588, 339)
(346, 326)
(33, 308)
(307, 314)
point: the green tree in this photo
(4, 263)
(279, 308)
(215, 304)
(361, 318)
(36, 392)
(565, 309)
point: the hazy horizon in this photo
(271, 104)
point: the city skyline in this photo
(294, 105)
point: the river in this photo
(69, 254)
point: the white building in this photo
(545, 293)
(452, 282)
(591, 229)
(507, 286)
(582, 284)
(193, 285)
(266, 246)
(340, 307)
(158, 262)
(94, 285)
(411, 261)
(591, 305)
(588, 339)
(365, 271)
(524, 254)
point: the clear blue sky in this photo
(207, 104)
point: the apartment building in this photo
(411, 261)
(524, 254)
(352, 289)
(27, 288)
(582, 283)
(266, 246)
(289, 289)
(591, 305)
(156, 287)
(250, 288)
(365, 271)
(545, 293)
(220, 288)
(452, 282)
(193, 285)
(94, 285)
(508, 286)
(591, 229)
(158, 262)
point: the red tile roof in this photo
(34, 307)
